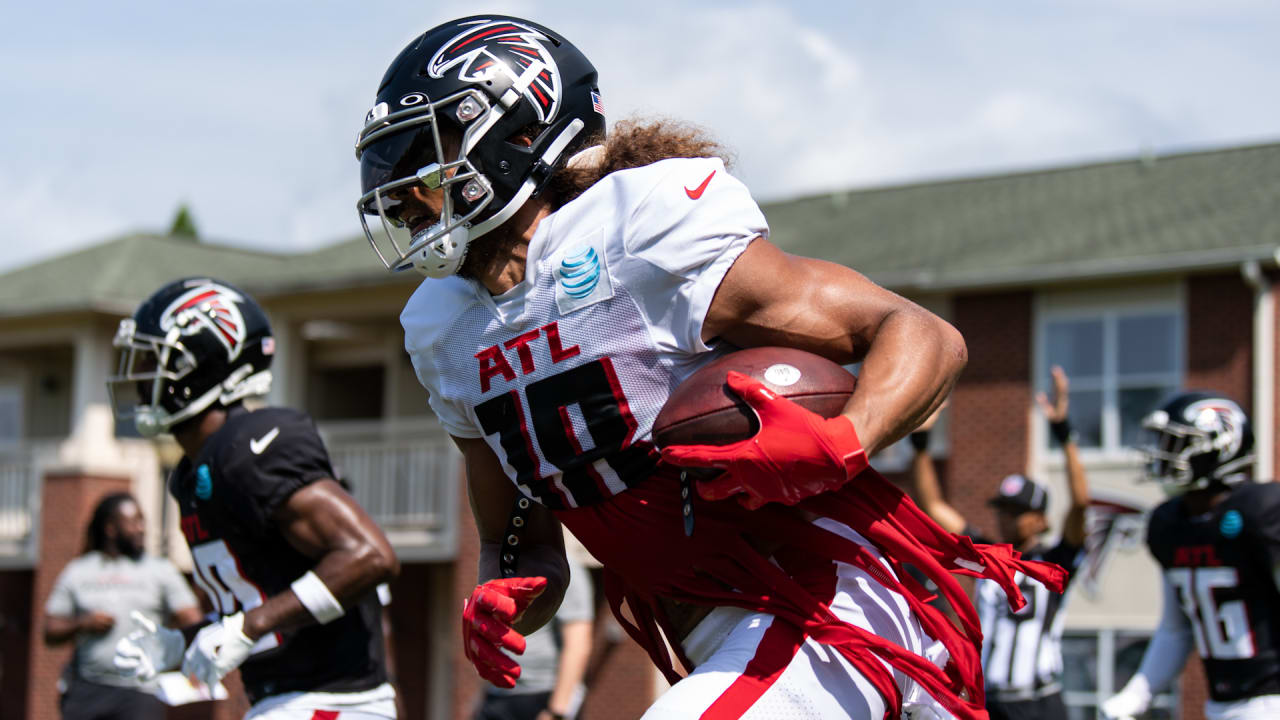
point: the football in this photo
(704, 411)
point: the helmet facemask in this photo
(1183, 457)
(148, 387)
(479, 111)
(149, 369)
(391, 141)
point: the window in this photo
(1121, 362)
(1098, 663)
(346, 393)
(10, 414)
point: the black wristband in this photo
(920, 440)
(1061, 431)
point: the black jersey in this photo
(1221, 564)
(228, 497)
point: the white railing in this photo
(21, 471)
(405, 473)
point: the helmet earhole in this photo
(504, 167)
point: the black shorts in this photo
(1049, 707)
(86, 700)
(512, 706)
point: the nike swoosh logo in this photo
(257, 446)
(696, 193)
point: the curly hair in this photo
(632, 143)
(96, 535)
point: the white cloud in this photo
(41, 218)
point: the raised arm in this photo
(924, 477)
(1055, 410)
(910, 357)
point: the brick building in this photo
(1137, 276)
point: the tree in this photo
(183, 225)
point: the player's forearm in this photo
(59, 629)
(348, 575)
(1078, 483)
(534, 561)
(910, 368)
(1167, 653)
(929, 494)
(1162, 662)
(574, 653)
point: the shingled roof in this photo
(1193, 211)
(1177, 213)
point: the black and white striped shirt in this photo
(1022, 652)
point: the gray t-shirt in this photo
(93, 581)
(541, 656)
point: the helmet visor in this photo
(396, 156)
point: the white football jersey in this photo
(564, 374)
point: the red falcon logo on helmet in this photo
(508, 48)
(1223, 420)
(208, 306)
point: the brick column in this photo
(1220, 336)
(988, 424)
(67, 503)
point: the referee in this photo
(1022, 651)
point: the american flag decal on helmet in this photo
(208, 306)
(488, 48)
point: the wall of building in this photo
(989, 407)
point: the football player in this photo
(573, 281)
(1218, 543)
(289, 560)
(1022, 651)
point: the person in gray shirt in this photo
(554, 662)
(91, 604)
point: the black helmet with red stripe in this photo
(195, 343)
(447, 116)
(1197, 439)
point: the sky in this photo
(117, 113)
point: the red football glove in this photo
(796, 454)
(486, 626)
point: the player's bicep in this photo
(771, 298)
(321, 517)
(493, 496)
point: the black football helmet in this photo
(1196, 439)
(194, 344)
(445, 116)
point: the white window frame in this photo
(1108, 305)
